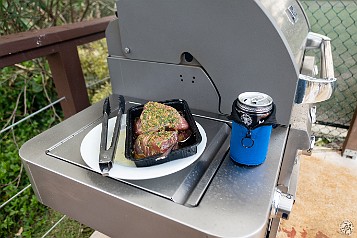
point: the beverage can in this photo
(253, 107)
(251, 128)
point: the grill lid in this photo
(236, 46)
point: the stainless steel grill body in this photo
(206, 52)
(236, 201)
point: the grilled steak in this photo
(157, 129)
(152, 143)
(157, 117)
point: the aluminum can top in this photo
(255, 102)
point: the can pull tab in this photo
(257, 99)
(247, 141)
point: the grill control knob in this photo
(282, 205)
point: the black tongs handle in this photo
(106, 156)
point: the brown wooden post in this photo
(59, 45)
(349, 148)
(68, 78)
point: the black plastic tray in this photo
(188, 148)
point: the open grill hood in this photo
(237, 46)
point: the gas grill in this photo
(207, 53)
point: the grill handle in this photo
(311, 89)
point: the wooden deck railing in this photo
(59, 45)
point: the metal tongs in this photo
(106, 156)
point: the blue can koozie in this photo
(249, 147)
(253, 116)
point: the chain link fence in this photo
(337, 20)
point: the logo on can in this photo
(253, 108)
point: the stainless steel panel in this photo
(170, 23)
(160, 81)
(235, 42)
(297, 140)
(114, 47)
(290, 20)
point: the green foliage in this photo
(104, 91)
(67, 228)
(24, 89)
(322, 141)
(19, 15)
(93, 58)
(23, 217)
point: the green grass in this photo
(24, 216)
(66, 228)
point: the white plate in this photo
(124, 168)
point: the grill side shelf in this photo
(185, 187)
(200, 189)
(194, 185)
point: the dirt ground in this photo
(326, 203)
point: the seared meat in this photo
(157, 129)
(157, 117)
(152, 143)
